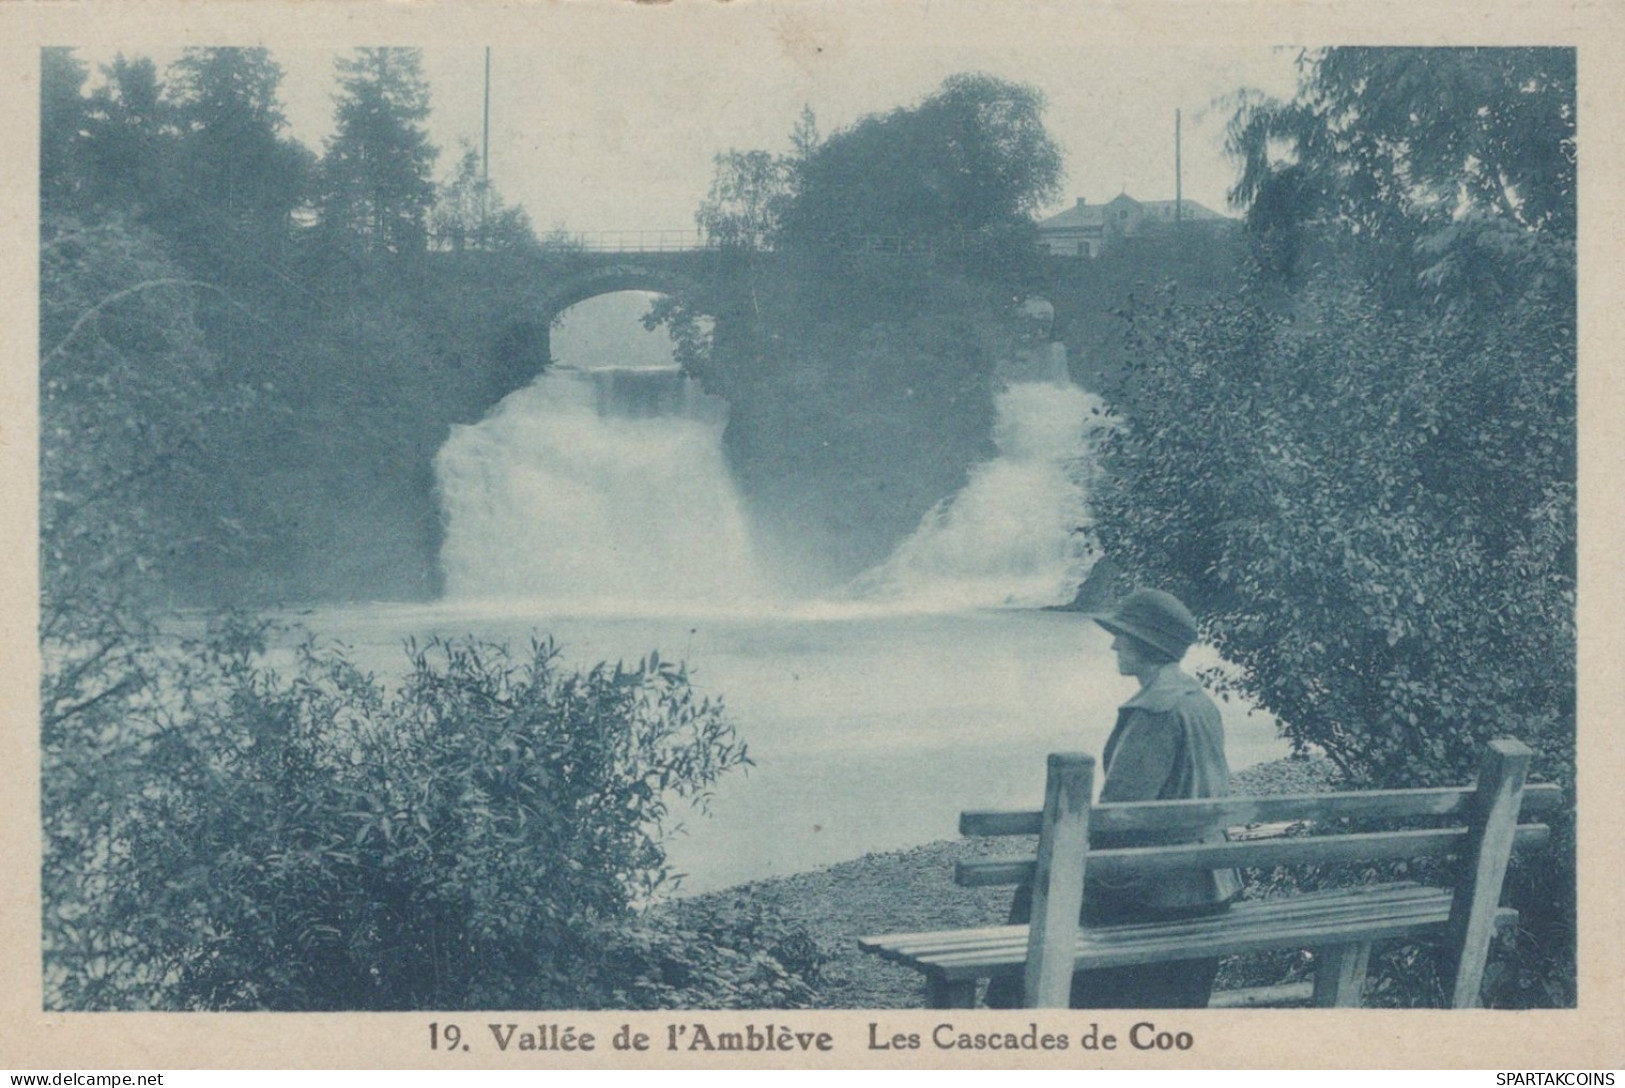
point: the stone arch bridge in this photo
(498, 309)
(540, 286)
(537, 288)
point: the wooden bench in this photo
(1480, 830)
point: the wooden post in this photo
(1063, 843)
(1493, 824)
(1340, 975)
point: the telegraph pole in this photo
(485, 149)
(1179, 176)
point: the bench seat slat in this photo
(1373, 912)
(1169, 944)
(1299, 908)
(1365, 898)
(1256, 853)
(1209, 814)
(1221, 943)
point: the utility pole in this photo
(485, 152)
(1179, 176)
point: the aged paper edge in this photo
(1588, 1037)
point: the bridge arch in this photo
(522, 347)
(612, 278)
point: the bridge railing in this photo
(636, 241)
(687, 241)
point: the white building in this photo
(1088, 230)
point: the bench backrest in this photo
(1482, 828)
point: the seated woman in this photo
(1168, 744)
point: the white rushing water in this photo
(1010, 536)
(603, 488)
(606, 488)
(596, 506)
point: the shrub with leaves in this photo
(740, 955)
(1374, 514)
(479, 837)
(1361, 469)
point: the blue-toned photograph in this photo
(924, 523)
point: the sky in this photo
(608, 119)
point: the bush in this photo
(1373, 513)
(713, 956)
(226, 838)
(1361, 469)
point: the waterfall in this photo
(604, 489)
(601, 488)
(1009, 536)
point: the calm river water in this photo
(601, 492)
(871, 727)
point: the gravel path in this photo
(914, 890)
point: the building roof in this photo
(1082, 215)
(1079, 215)
(1189, 209)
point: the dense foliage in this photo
(1375, 513)
(131, 399)
(868, 284)
(246, 367)
(1361, 471)
(279, 356)
(376, 188)
(222, 837)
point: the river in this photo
(595, 506)
(870, 727)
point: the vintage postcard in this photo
(820, 535)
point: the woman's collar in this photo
(1166, 688)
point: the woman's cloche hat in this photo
(1153, 617)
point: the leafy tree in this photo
(63, 121)
(804, 138)
(241, 177)
(199, 159)
(376, 183)
(972, 157)
(1367, 484)
(469, 213)
(476, 838)
(1374, 514)
(131, 407)
(1452, 394)
(1451, 164)
(226, 101)
(748, 193)
(751, 190)
(131, 403)
(128, 140)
